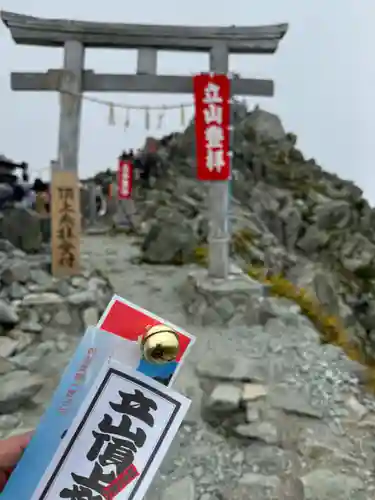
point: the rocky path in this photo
(272, 410)
(322, 436)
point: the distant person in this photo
(18, 193)
(100, 203)
(42, 197)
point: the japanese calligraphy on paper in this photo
(212, 112)
(65, 222)
(125, 179)
(117, 441)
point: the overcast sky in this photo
(324, 74)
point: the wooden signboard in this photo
(65, 223)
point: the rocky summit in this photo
(281, 375)
(290, 219)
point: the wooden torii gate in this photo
(73, 79)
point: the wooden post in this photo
(219, 237)
(65, 222)
(70, 105)
(65, 193)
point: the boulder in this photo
(265, 125)
(21, 227)
(334, 215)
(170, 241)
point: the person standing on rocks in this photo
(42, 202)
(149, 161)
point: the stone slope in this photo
(262, 396)
(289, 218)
(41, 319)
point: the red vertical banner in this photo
(212, 120)
(125, 179)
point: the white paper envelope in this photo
(117, 441)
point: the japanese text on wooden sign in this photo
(212, 120)
(66, 224)
(125, 179)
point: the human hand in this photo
(11, 451)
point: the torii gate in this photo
(73, 80)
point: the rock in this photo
(90, 316)
(263, 431)
(292, 401)
(170, 242)
(252, 392)
(42, 299)
(292, 221)
(324, 485)
(254, 486)
(6, 246)
(184, 489)
(31, 326)
(22, 228)
(319, 283)
(17, 271)
(9, 422)
(7, 314)
(357, 253)
(234, 370)
(16, 291)
(252, 413)
(82, 299)
(63, 318)
(265, 125)
(354, 406)
(333, 215)
(40, 277)
(272, 307)
(208, 302)
(24, 340)
(224, 398)
(32, 359)
(314, 239)
(264, 459)
(17, 388)
(290, 487)
(5, 366)
(8, 347)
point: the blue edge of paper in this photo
(54, 423)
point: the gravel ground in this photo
(201, 462)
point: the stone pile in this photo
(40, 320)
(288, 216)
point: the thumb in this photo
(3, 480)
(11, 449)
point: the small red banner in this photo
(125, 179)
(212, 120)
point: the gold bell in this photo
(160, 344)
